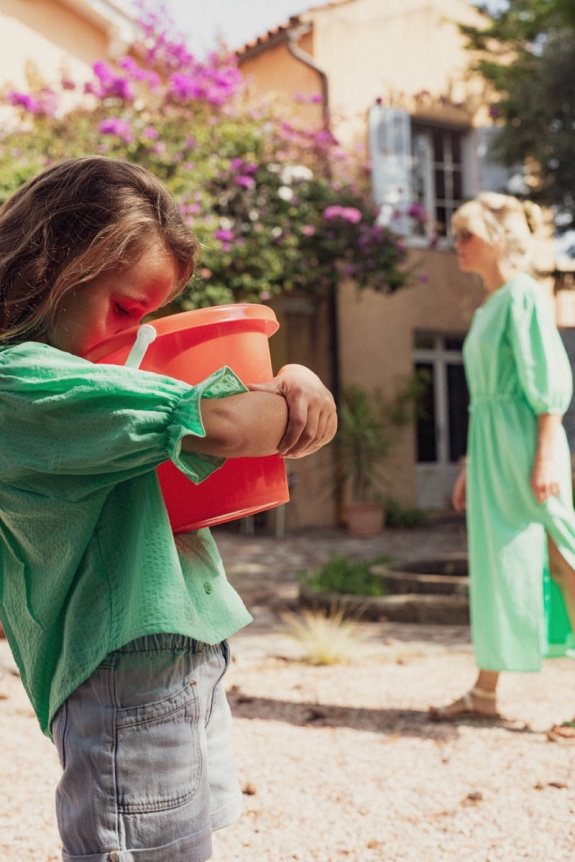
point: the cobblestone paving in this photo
(259, 566)
(264, 571)
(343, 762)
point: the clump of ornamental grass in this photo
(327, 639)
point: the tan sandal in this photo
(468, 708)
(567, 737)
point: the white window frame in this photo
(425, 166)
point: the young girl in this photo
(118, 629)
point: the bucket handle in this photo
(144, 337)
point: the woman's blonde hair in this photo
(504, 221)
(72, 222)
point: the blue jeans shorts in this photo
(145, 745)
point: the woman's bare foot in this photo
(477, 703)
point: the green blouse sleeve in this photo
(542, 364)
(69, 428)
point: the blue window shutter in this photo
(391, 165)
(494, 176)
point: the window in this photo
(442, 411)
(434, 167)
(437, 176)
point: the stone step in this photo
(439, 609)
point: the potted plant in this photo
(368, 429)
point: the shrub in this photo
(326, 639)
(277, 205)
(345, 576)
(397, 515)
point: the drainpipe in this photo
(294, 34)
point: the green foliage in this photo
(397, 515)
(346, 576)
(368, 429)
(276, 206)
(527, 53)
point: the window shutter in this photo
(391, 165)
(494, 176)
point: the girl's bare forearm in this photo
(251, 424)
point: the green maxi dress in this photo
(516, 368)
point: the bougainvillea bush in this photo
(277, 206)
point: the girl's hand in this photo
(544, 479)
(312, 417)
(459, 496)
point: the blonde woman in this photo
(516, 485)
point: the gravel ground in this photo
(342, 763)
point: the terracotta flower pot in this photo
(364, 519)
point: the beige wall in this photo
(377, 335)
(392, 50)
(276, 71)
(51, 36)
(373, 49)
(370, 49)
(304, 338)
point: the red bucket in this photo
(190, 346)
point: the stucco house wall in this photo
(53, 36)
(410, 55)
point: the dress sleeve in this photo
(542, 364)
(69, 428)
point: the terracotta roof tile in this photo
(291, 22)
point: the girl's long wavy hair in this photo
(73, 222)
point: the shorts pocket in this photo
(59, 723)
(221, 658)
(158, 753)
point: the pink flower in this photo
(350, 214)
(138, 74)
(308, 230)
(246, 182)
(417, 211)
(109, 84)
(44, 103)
(150, 133)
(224, 235)
(117, 126)
(325, 137)
(24, 100)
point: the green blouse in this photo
(88, 559)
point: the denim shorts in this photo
(145, 745)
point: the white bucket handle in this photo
(144, 337)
